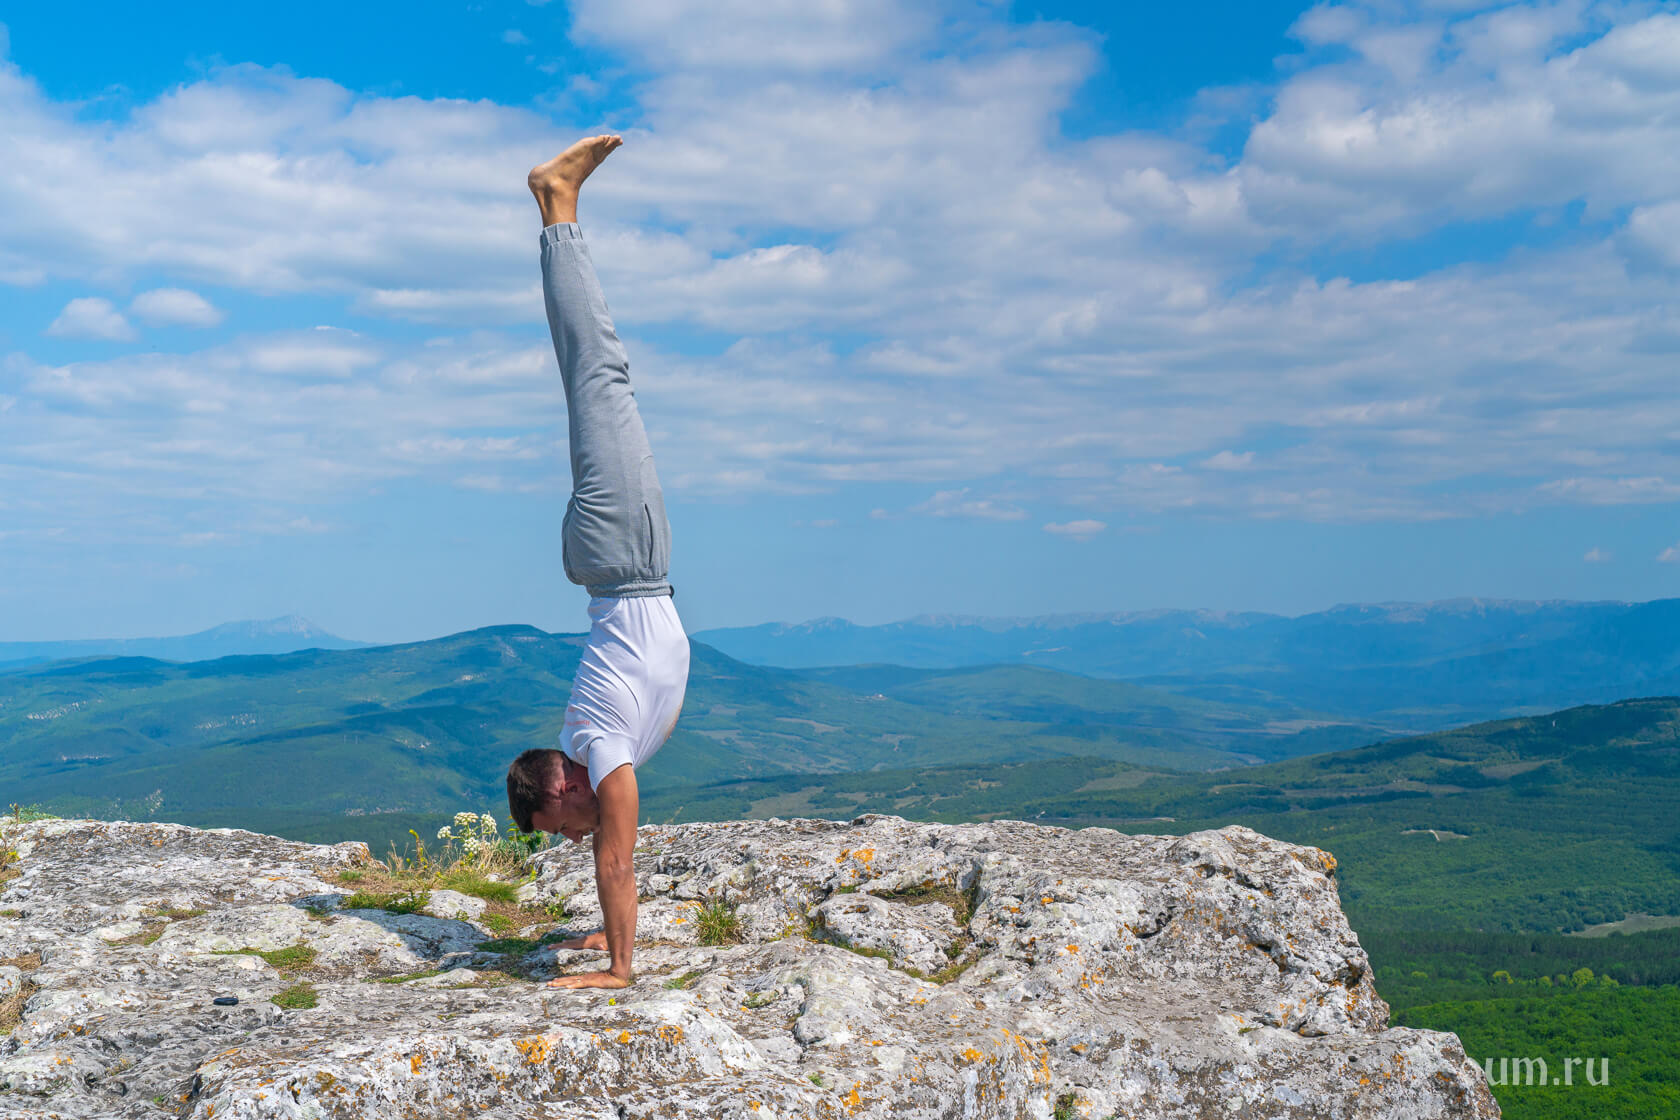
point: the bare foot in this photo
(555, 183)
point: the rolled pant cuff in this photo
(631, 589)
(561, 231)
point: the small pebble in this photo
(225, 1001)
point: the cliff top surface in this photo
(883, 968)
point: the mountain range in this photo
(286, 634)
(1422, 664)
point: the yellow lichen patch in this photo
(1073, 948)
(852, 1100)
(414, 1063)
(624, 1036)
(972, 1055)
(535, 1049)
(864, 855)
(671, 1034)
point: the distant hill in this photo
(274, 635)
(430, 726)
(1440, 663)
(1550, 823)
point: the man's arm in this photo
(615, 878)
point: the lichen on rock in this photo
(886, 968)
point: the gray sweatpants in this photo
(615, 539)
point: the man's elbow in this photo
(616, 871)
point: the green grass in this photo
(406, 977)
(498, 923)
(718, 924)
(684, 980)
(394, 902)
(465, 880)
(290, 959)
(298, 997)
(520, 945)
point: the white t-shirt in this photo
(629, 686)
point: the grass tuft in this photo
(290, 959)
(421, 975)
(468, 881)
(719, 924)
(11, 1008)
(684, 980)
(394, 902)
(298, 997)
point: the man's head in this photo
(548, 791)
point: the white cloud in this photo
(1669, 555)
(1229, 461)
(1081, 530)
(1613, 491)
(755, 35)
(1596, 555)
(175, 307)
(819, 189)
(1534, 105)
(91, 317)
(956, 503)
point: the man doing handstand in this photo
(616, 543)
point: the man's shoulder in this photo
(617, 786)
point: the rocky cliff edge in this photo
(885, 968)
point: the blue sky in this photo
(947, 307)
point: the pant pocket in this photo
(658, 527)
(566, 542)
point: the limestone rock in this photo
(885, 969)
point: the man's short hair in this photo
(531, 778)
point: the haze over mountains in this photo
(286, 634)
(1447, 662)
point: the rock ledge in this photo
(886, 969)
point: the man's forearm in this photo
(615, 886)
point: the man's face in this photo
(574, 815)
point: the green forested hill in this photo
(1549, 823)
(368, 736)
(1467, 859)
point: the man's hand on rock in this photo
(596, 940)
(591, 980)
